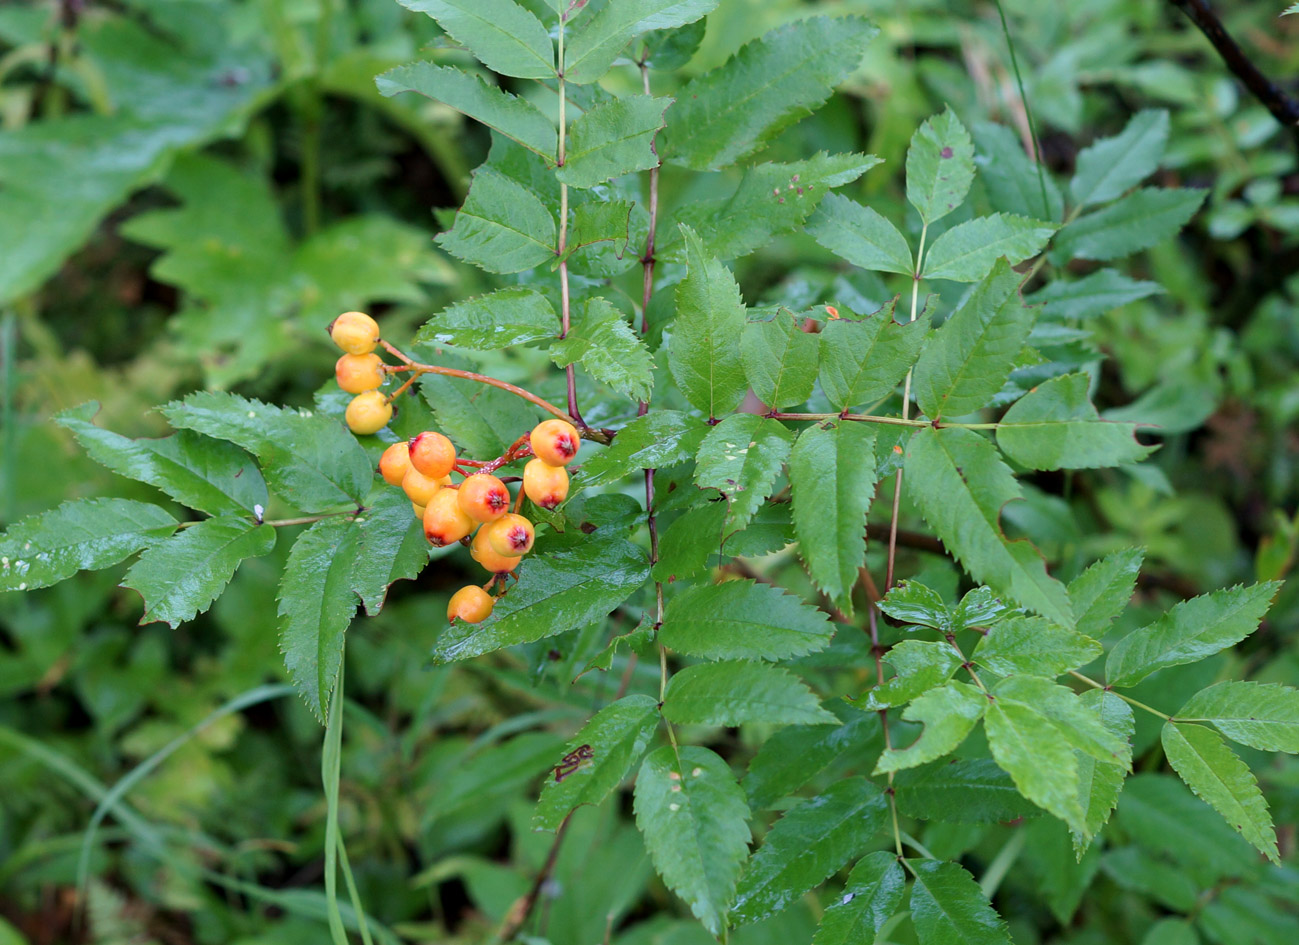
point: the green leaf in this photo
(1112, 166)
(670, 49)
(743, 620)
(863, 360)
(967, 252)
(660, 438)
(738, 108)
(832, 475)
(613, 139)
(1063, 708)
(503, 35)
(1034, 646)
(794, 755)
(961, 487)
(742, 456)
(978, 608)
(316, 604)
(557, 591)
(202, 473)
(870, 898)
(949, 714)
(861, 236)
(704, 350)
(1101, 593)
(949, 908)
(609, 349)
(1028, 747)
(972, 354)
(808, 845)
(181, 576)
(1192, 630)
(913, 603)
(1138, 221)
(1218, 777)
(480, 420)
(779, 359)
(1055, 426)
(1099, 784)
(393, 547)
(695, 823)
(1160, 815)
(516, 118)
(1010, 176)
(1171, 932)
(616, 737)
(79, 535)
(597, 40)
(735, 692)
(771, 199)
(514, 316)
(962, 791)
(1261, 715)
(1102, 291)
(503, 226)
(940, 166)
(692, 538)
(918, 666)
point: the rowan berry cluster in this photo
(474, 511)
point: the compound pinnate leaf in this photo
(1063, 708)
(660, 438)
(1034, 646)
(502, 227)
(779, 359)
(918, 666)
(1110, 166)
(181, 576)
(612, 139)
(742, 456)
(695, 823)
(514, 117)
(949, 908)
(963, 791)
(558, 590)
(794, 755)
(704, 352)
(393, 547)
(863, 360)
(513, 316)
(1029, 748)
(609, 349)
(1218, 777)
(961, 486)
(1261, 715)
(736, 109)
(1192, 630)
(871, 897)
(503, 35)
(949, 714)
(1138, 221)
(1055, 426)
(832, 475)
(968, 251)
(1100, 593)
(79, 535)
(1099, 784)
(807, 845)
(860, 235)
(940, 166)
(736, 692)
(598, 39)
(743, 620)
(615, 739)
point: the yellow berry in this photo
(444, 521)
(545, 485)
(394, 462)
(510, 535)
(358, 373)
(355, 332)
(368, 412)
(419, 488)
(419, 510)
(554, 442)
(482, 552)
(483, 497)
(471, 604)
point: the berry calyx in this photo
(554, 442)
(355, 332)
(368, 413)
(483, 497)
(432, 454)
(394, 462)
(358, 373)
(545, 485)
(444, 521)
(482, 551)
(510, 535)
(420, 488)
(471, 604)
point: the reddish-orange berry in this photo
(419, 487)
(393, 463)
(471, 604)
(489, 557)
(444, 521)
(554, 442)
(368, 413)
(545, 485)
(510, 535)
(358, 373)
(432, 454)
(484, 497)
(355, 332)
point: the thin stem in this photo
(565, 305)
(1128, 699)
(872, 625)
(1028, 112)
(518, 915)
(967, 665)
(1003, 861)
(906, 415)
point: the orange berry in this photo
(545, 485)
(419, 487)
(471, 604)
(444, 521)
(393, 463)
(554, 442)
(432, 454)
(368, 413)
(484, 497)
(358, 373)
(510, 535)
(482, 551)
(355, 332)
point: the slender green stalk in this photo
(330, 767)
(1028, 112)
(1128, 699)
(8, 340)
